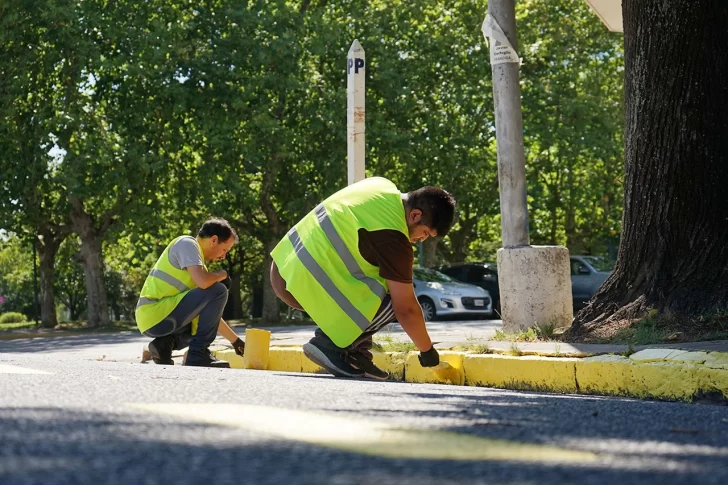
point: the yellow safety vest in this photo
(320, 260)
(163, 289)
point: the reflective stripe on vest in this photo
(169, 279)
(323, 279)
(343, 252)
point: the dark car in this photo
(587, 275)
(484, 275)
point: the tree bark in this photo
(93, 264)
(48, 246)
(673, 254)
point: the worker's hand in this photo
(239, 346)
(430, 358)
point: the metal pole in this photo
(35, 283)
(355, 112)
(508, 121)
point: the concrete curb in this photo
(664, 374)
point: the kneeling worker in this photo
(181, 303)
(348, 264)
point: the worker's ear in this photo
(414, 217)
(213, 240)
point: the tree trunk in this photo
(93, 265)
(271, 307)
(429, 252)
(673, 254)
(47, 249)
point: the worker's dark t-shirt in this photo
(391, 251)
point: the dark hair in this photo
(217, 227)
(437, 207)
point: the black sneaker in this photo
(361, 361)
(161, 349)
(204, 358)
(331, 360)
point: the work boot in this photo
(331, 360)
(362, 362)
(161, 349)
(204, 358)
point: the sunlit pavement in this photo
(68, 419)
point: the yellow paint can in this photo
(257, 349)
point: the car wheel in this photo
(428, 309)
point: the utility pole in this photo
(500, 23)
(355, 112)
(534, 281)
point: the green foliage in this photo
(145, 118)
(16, 276)
(12, 317)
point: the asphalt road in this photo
(67, 418)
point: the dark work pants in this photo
(208, 304)
(363, 344)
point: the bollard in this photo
(257, 349)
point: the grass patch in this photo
(387, 343)
(529, 335)
(473, 348)
(15, 326)
(514, 350)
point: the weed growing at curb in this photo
(529, 335)
(473, 348)
(387, 343)
(514, 350)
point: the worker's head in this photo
(430, 212)
(216, 237)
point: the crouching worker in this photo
(348, 264)
(181, 303)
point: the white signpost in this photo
(355, 112)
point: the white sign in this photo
(501, 50)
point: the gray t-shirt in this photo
(185, 252)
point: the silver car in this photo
(439, 296)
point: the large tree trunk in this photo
(49, 240)
(673, 255)
(47, 249)
(271, 308)
(93, 264)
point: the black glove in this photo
(430, 358)
(227, 282)
(239, 346)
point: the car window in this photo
(576, 266)
(600, 263)
(425, 274)
(475, 274)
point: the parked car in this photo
(484, 275)
(587, 275)
(439, 296)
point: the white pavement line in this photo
(13, 369)
(363, 436)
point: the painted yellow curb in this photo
(655, 373)
(414, 372)
(523, 373)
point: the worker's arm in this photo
(226, 331)
(205, 279)
(409, 313)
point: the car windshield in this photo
(600, 264)
(425, 274)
